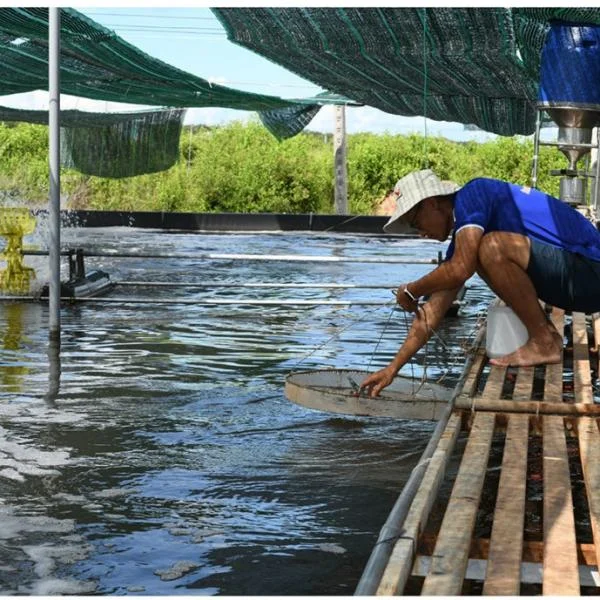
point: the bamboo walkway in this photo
(509, 502)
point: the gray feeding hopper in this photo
(575, 124)
(569, 92)
(335, 391)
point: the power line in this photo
(172, 29)
(182, 35)
(137, 16)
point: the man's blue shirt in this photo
(495, 205)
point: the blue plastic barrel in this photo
(570, 69)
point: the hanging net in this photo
(113, 144)
(142, 143)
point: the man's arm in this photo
(454, 272)
(427, 319)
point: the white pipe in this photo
(536, 148)
(217, 284)
(256, 257)
(54, 160)
(236, 302)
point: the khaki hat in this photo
(413, 188)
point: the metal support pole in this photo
(54, 160)
(339, 160)
(596, 179)
(536, 148)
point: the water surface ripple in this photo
(170, 462)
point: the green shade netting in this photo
(476, 66)
(96, 63)
(113, 144)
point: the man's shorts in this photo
(564, 279)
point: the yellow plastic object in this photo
(15, 222)
(12, 375)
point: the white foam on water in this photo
(112, 493)
(21, 409)
(18, 459)
(332, 548)
(12, 474)
(179, 569)
(15, 525)
(56, 587)
(68, 548)
(46, 556)
(72, 498)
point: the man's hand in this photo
(374, 383)
(406, 299)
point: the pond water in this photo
(169, 460)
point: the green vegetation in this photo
(242, 168)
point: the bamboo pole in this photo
(527, 406)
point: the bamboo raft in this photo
(509, 499)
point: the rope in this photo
(381, 337)
(336, 335)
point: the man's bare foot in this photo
(533, 353)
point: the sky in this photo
(192, 39)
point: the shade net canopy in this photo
(478, 66)
(96, 63)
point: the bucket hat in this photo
(413, 188)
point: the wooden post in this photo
(339, 161)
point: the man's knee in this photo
(490, 250)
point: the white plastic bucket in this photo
(505, 332)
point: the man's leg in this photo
(503, 259)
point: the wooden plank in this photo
(560, 548)
(582, 377)
(560, 573)
(596, 346)
(533, 551)
(504, 562)
(587, 429)
(554, 373)
(401, 558)
(454, 540)
(524, 384)
(494, 383)
(596, 328)
(531, 572)
(506, 544)
(472, 379)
